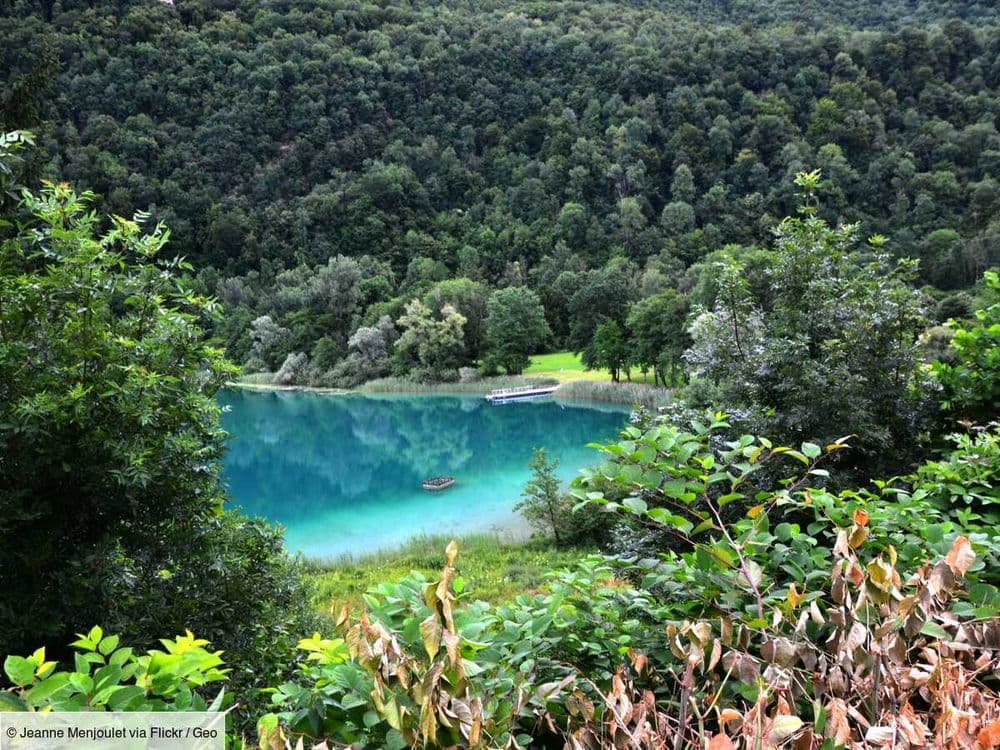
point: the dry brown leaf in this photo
(961, 556)
(729, 714)
(837, 727)
(784, 727)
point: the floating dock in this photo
(521, 393)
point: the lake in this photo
(342, 474)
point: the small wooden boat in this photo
(434, 484)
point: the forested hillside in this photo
(485, 134)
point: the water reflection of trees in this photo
(294, 455)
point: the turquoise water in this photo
(342, 473)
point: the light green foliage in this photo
(431, 345)
(470, 299)
(106, 677)
(515, 328)
(492, 568)
(972, 378)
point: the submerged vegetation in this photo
(794, 542)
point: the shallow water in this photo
(342, 474)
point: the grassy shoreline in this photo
(572, 387)
(494, 567)
(399, 386)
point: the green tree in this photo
(431, 347)
(658, 335)
(543, 503)
(609, 349)
(600, 295)
(111, 509)
(469, 298)
(972, 379)
(515, 328)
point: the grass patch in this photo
(483, 385)
(615, 393)
(567, 367)
(494, 569)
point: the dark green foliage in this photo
(110, 501)
(658, 331)
(109, 433)
(515, 328)
(477, 136)
(609, 350)
(591, 154)
(817, 340)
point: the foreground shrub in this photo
(813, 617)
(111, 509)
(785, 615)
(422, 667)
(106, 677)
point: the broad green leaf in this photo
(47, 687)
(19, 670)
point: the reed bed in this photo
(483, 386)
(257, 378)
(629, 394)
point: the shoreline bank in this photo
(627, 394)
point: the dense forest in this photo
(782, 214)
(550, 144)
(482, 135)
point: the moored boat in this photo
(435, 484)
(520, 393)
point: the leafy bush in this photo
(815, 338)
(421, 667)
(106, 677)
(972, 379)
(814, 616)
(294, 370)
(111, 509)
